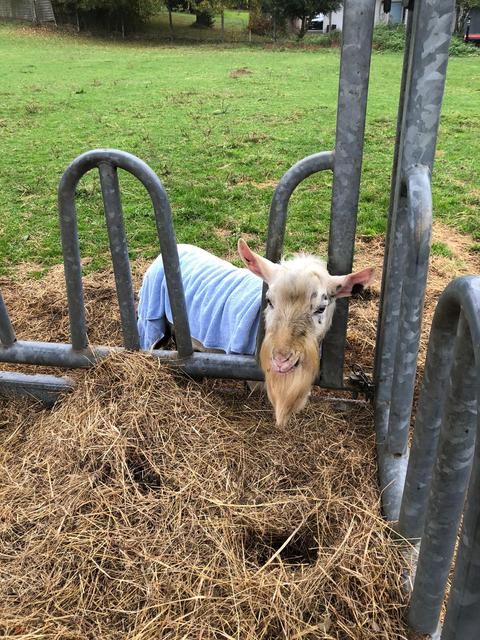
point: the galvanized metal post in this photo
(424, 81)
(447, 489)
(357, 33)
(396, 155)
(462, 621)
(416, 245)
(443, 447)
(412, 251)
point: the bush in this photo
(261, 24)
(459, 48)
(389, 37)
(333, 38)
(392, 38)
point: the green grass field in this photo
(235, 27)
(219, 143)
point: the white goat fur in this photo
(300, 306)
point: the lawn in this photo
(235, 27)
(219, 141)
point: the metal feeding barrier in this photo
(444, 461)
(429, 503)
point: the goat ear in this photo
(261, 267)
(342, 286)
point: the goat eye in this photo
(269, 303)
(320, 309)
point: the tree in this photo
(462, 9)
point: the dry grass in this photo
(149, 506)
(143, 506)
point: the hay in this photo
(144, 506)
(147, 506)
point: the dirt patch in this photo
(238, 73)
(268, 184)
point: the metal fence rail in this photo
(411, 251)
(426, 56)
(346, 165)
(79, 354)
(41, 387)
(445, 453)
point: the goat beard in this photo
(289, 392)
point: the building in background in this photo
(331, 21)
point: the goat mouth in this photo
(288, 367)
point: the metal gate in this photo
(345, 162)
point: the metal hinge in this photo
(362, 381)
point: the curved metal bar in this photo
(7, 334)
(277, 220)
(166, 235)
(394, 395)
(419, 199)
(423, 81)
(288, 183)
(441, 459)
(209, 365)
(462, 620)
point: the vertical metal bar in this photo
(173, 275)
(424, 81)
(462, 621)
(71, 259)
(389, 238)
(7, 334)
(448, 487)
(277, 220)
(419, 198)
(357, 32)
(428, 421)
(409, 255)
(393, 277)
(119, 251)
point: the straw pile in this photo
(145, 505)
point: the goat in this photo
(300, 301)
(224, 307)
